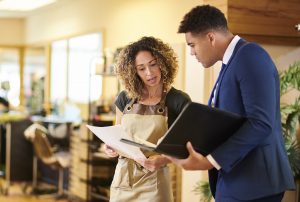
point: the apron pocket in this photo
(121, 177)
(143, 177)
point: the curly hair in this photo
(202, 19)
(127, 72)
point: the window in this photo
(59, 59)
(10, 75)
(73, 76)
(34, 79)
(83, 50)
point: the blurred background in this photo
(57, 71)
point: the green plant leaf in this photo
(202, 188)
(290, 115)
(290, 78)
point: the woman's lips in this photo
(152, 80)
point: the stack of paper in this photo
(111, 135)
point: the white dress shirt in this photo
(227, 55)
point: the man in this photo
(252, 165)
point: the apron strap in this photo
(161, 108)
(162, 103)
(128, 107)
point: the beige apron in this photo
(131, 181)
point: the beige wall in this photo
(283, 56)
(12, 31)
(122, 21)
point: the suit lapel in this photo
(240, 43)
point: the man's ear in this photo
(211, 37)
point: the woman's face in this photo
(148, 69)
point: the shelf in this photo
(99, 162)
(99, 196)
(107, 74)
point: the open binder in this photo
(205, 127)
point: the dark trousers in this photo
(273, 198)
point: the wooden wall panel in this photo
(264, 17)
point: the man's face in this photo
(201, 47)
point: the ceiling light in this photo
(23, 5)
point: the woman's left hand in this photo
(155, 162)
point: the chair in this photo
(44, 152)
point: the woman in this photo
(146, 109)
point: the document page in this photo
(111, 135)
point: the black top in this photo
(175, 102)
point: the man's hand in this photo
(195, 161)
(155, 162)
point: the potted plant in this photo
(290, 115)
(290, 119)
(202, 188)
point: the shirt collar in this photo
(230, 49)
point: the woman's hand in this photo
(109, 151)
(155, 162)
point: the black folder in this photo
(205, 127)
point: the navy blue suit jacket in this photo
(254, 160)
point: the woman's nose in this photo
(148, 70)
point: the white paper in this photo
(111, 135)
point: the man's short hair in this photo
(202, 19)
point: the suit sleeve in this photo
(255, 75)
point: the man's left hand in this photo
(195, 161)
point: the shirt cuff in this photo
(213, 162)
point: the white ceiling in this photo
(8, 13)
